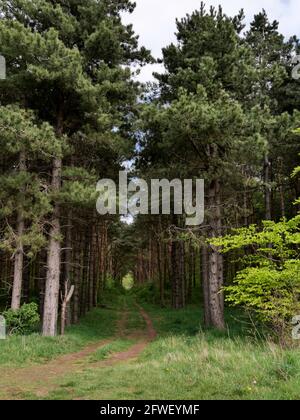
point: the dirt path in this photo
(147, 336)
(38, 379)
(41, 379)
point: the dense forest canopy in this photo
(225, 110)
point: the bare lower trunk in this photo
(96, 265)
(65, 301)
(92, 264)
(221, 281)
(205, 285)
(281, 189)
(268, 189)
(282, 203)
(216, 312)
(18, 268)
(53, 261)
(63, 318)
(85, 273)
(42, 279)
(77, 276)
(190, 275)
(68, 263)
(182, 274)
(177, 281)
(246, 222)
(216, 298)
(160, 275)
(19, 256)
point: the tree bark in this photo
(51, 301)
(77, 276)
(160, 274)
(68, 263)
(205, 286)
(53, 261)
(19, 256)
(190, 274)
(177, 281)
(281, 189)
(216, 298)
(66, 298)
(268, 189)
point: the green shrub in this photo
(269, 285)
(22, 321)
(272, 294)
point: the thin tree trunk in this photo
(96, 266)
(221, 282)
(215, 261)
(281, 189)
(65, 299)
(194, 255)
(190, 274)
(182, 273)
(77, 276)
(246, 217)
(205, 286)
(19, 256)
(91, 268)
(177, 281)
(42, 278)
(160, 275)
(68, 263)
(268, 189)
(86, 266)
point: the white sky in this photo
(154, 20)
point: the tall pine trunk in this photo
(54, 249)
(19, 256)
(216, 298)
(53, 261)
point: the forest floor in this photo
(116, 353)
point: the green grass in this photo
(110, 348)
(189, 322)
(186, 362)
(99, 324)
(134, 320)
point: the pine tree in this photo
(203, 129)
(24, 142)
(272, 56)
(66, 61)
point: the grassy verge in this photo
(187, 363)
(184, 362)
(106, 351)
(17, 351)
